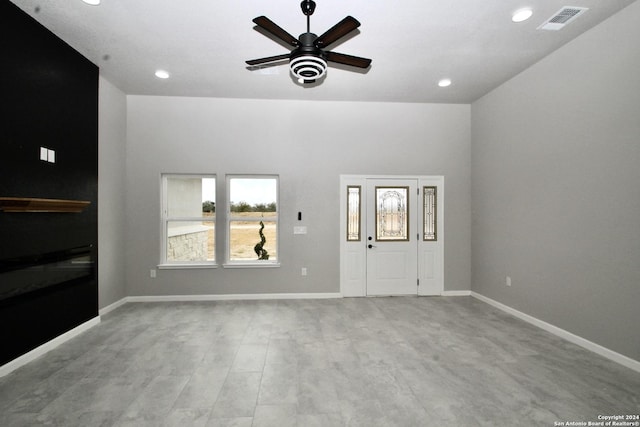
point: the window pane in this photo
(250, 241)
(188, 196)
(190, 241)
(392, 216)
(253, 195)
(188, 217)
(253, 218)
(429, 210)
(353, 213)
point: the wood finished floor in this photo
(444, 361)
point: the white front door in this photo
(403, 216)
(392, 235)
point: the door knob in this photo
(370, 246)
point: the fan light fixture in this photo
(92, 2)
(308, 67)
(444, 82)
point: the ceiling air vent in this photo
(562, 18)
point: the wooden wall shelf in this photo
(30, 204)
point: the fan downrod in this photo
(308, 7)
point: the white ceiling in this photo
(413, 44)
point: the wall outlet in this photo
(508, 281)
(304, 271)
(152, 273)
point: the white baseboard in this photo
(113, 306)
(456, 293)
(46, 347)
(575, 339)
(231, 297)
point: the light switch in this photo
(300, 229)
(52, 156)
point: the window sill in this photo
(185, 266)
(251, 265)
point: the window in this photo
(429, 214)
(188, 220)
(353, 213)
(252, 220)
(392, 213)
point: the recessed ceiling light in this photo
(521, 15)
(162, 74)
(92, 2)
(444, 82)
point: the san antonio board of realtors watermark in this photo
(632, 420)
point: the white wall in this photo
(112, 117)
(309, 144)
(556, 187)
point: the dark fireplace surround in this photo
(28, 274)
(48, 251)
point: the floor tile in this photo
(279, 385)
(238, 396)
(230, 422)
(156, 400)
(203, 388)
(250, 358)
(275, 416)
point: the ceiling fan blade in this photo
(267, 59)
(270, 26)
(339, 30)
(341, 58)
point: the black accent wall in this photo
(48, 98)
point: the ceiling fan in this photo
(308, 59)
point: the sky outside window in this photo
(253, 190)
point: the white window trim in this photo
(187, 266)
(177, 265)
(251, 264)
(228, 263)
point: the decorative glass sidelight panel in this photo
(429, 215)
(353, 213)
(392, 213)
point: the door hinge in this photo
(418, 280)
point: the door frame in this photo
(353, 254)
